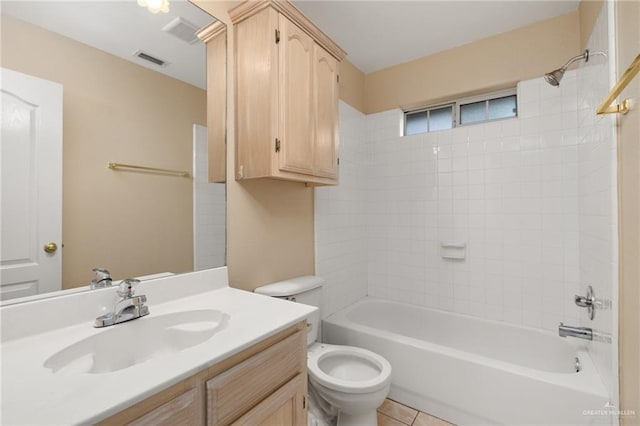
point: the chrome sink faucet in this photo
(129, 307)
(102, 279)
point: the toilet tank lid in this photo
(291, 286)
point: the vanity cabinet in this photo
(251, 381)
(181, 410)
(286, 406)
(265, 384)
(286, 85)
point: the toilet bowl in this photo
(353, 381)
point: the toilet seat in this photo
(348, 369)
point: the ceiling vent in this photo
(182, 29)
(150, 58)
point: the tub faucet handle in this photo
(588, 301)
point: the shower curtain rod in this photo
(606, 107)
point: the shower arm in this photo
(584, 56)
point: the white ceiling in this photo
(122, 28)
(379, 34)
(375, 34)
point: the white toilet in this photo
(354, 381)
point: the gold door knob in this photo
(50, 247)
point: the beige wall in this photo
(269, 223)
(628, 46)
(588, 12)
(133, 224)
(352, 85)
(491, 63)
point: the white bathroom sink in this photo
(133, 342)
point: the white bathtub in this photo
(473, 371)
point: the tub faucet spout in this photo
(579, 332)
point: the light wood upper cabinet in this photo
(296, 99)
(215, 37)
(286, 95)
(326, 125)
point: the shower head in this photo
(554, 77)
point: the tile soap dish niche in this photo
(453, 251)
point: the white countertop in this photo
(33, 394)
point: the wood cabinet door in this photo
(296, 153)
(256, 92)
(326, 104)
(232, 393)
(285, 407)
(181, 410)
(217, 106)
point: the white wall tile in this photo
(532, 197)
(596, 203)
(209, 219)
(341, 239)
(505, 188)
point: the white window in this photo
(473, 110)
(429, 119)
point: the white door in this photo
(31, 198)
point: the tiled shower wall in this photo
(508, 190)
(209, 209)
(533, 199)
(598, 199)
(340, 234)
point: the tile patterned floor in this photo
(392, 413)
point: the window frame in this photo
(456, 104)
(486, 98)
(428, 111)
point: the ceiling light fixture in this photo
(155, 6)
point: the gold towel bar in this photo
(606, 107)
(114, 166)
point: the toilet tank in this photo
(306, 289)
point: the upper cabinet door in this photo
(326, 126)
(296, 99)
(286, 89)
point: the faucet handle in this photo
(101, 273)
(127, 287)
(588, 301)
(102, 279)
